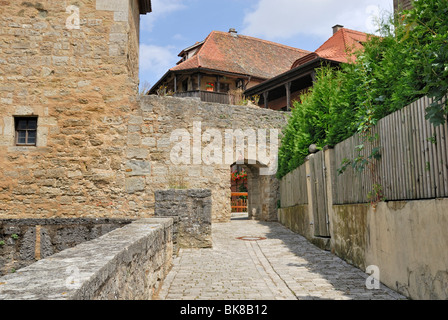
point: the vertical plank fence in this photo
(319, 194)
(413, 162)
(293, 190)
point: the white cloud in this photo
(284, 19)
(155, 61)
(160, 8)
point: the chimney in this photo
(233, 32)
(336, 28)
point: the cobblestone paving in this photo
(284, 266)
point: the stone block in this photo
(112, 5)
(149, 142)
(135, 184)
(138, 168)
(137, 153)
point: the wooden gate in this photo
(319, 195)
(239, 201)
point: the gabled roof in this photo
(239, 54)
(337, 49)
(340, 47)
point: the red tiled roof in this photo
(339, 47)
(223, 51)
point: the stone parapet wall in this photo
(25, 241)
(128, 263)
(194, 211)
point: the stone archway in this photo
(263, 193)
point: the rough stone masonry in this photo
(100, 151)
(81, 84)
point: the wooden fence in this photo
(293, 190)
(413, 164)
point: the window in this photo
(26, 131)
(224, 87)
(185, 85)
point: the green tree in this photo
(407, 61)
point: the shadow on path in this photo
(310, 261)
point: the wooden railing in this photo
(205, 96)
(239, 203)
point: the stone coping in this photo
(77, 273)
(64, 221)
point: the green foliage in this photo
(427, 27)
(322, 117)
(409, 60)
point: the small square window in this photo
(26, 131)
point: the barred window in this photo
(26, 131)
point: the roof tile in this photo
(242, 55)
(340, 47)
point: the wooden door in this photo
(319, 195)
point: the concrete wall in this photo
(297, 219)
(129, 263)
(406, 240)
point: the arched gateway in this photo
(262, 192)
(193, 144)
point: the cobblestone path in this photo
(284, 266)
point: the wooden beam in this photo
(217, 84)
(288, 96)
(313, 76)
(265, 97)
(175, 83)
(199, 81)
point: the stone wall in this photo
(82, 84)
(129, 263)
(101, 151)
(25, 241)
(152, 137)
(194, 210)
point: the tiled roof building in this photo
(225, 61)
(278, 92)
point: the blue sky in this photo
(306, 24)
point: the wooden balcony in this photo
(206, 96)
